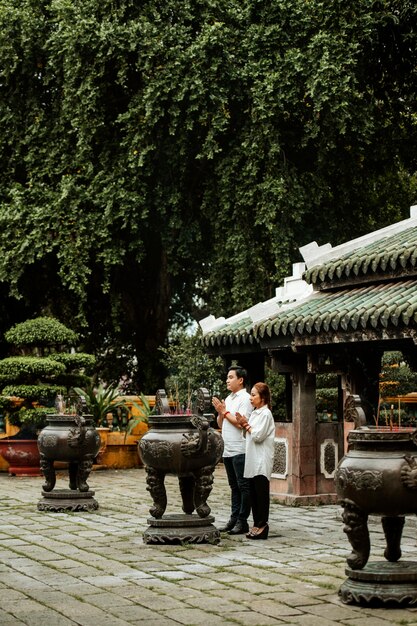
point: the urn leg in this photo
(156, 487)
(48, 470)
(393, 528)
(72, 472)
(203, 487)
(84, 469)
(356, 528)
(187, 484)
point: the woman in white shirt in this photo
(260, 433)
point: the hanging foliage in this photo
(155, 152)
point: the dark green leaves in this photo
(153, 152)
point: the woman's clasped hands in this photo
(241, 420)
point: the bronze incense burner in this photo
(186, 445)
(378, 476)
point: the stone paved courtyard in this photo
(93, 569)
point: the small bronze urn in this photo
(186, 445)
(73, 439)
(378, 476)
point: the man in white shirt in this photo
(238, 401)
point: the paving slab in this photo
(84, 569)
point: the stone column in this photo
(304, 452)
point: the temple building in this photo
(338, 313)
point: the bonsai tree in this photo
(40, 367)
(326, 394)
(397, 379)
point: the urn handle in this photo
(162, 402)
(353, 410)
(196, 443)
(77, 433)
(202, 401)
(409, 472)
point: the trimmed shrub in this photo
(41, 331)
(20, 367)
(76, 360)
(42, 372)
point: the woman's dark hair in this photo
(240, 372)
(264, 393)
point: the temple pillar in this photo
(304, 448)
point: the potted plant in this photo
(122, 445)
(138, 423)
(121, 421)
(101, 401)
(38, 369)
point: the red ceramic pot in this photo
(22, 455)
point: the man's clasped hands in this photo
(220, 407)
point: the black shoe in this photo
(230, 524)
(240, 528)
(260, 535)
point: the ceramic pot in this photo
(72, 439)
(378, 475)
(22, 456)
(184, 445)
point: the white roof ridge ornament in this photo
(313, 254)
(210, 323)
(293, 290)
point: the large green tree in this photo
(153, 152)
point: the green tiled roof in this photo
(368, 284)
(230, 332)
(366, 307)
(393, 253)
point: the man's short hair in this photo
(241, 372)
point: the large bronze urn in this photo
(186, 445)
(74, 440)
(378, 476)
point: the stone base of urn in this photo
(381, 584)
(65, 500)
(181, 528)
